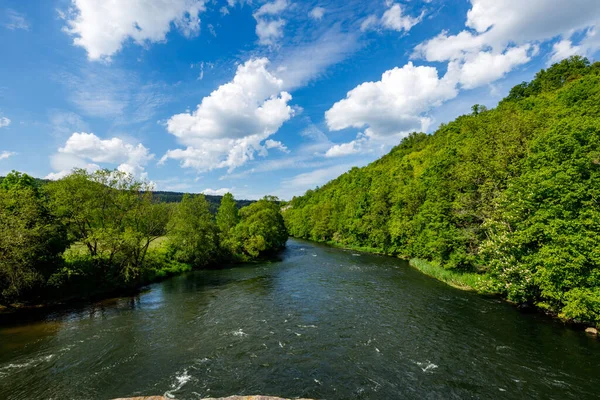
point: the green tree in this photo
(111, 214)
(193, 233)
(31, 239)
(227, 215)
(261, 230)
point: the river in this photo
(322, 323)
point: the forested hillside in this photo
(511, 193)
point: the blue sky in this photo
(258, 97)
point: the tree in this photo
(261, 230)
(193, 233)
(111, 214)
(31, 239)
(227, 215)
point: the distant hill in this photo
(173, 197)
(214, 201)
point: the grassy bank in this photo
(461, 280)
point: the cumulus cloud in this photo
(481, 68)
(269, 26)
(6, 154)
(393, 106)
(230, 125)
(501, 35)
(4, 122)
(317, 13)
(86, 150)
(101, 27)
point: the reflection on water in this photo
(322, 323)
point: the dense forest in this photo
(94, 233)
(511, 194)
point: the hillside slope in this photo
(512, 193)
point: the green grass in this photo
(461, 280)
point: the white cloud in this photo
(501, 35)
(589, 45)
(16, 20)
(393, 106)
(6, 154)
(101, 27)
(484, 67)
(503, 22)
(344, 149)
(317, 13)
(228, 127)
(86, 150)
(395, 19)
(273, 8)
(564, 49)
(4, 122)
(499, 23)
(217, 192)
(269, 32)
(275, 144)
(501, 31)
(269, 27)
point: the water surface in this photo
(322, 323)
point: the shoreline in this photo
(18, 310)
(465, 281)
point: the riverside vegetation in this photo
(504, 201)
(101, 232)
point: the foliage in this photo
(510, 193)
(260, 231)
(193, 233)
(93, 233)
(31, 239)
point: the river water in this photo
(322, 323)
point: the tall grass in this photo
(460, 280)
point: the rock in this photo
(143, 398)
(249, 398)
(211, 398)
(592, 331)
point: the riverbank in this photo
(468, 281)
(460, 280)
